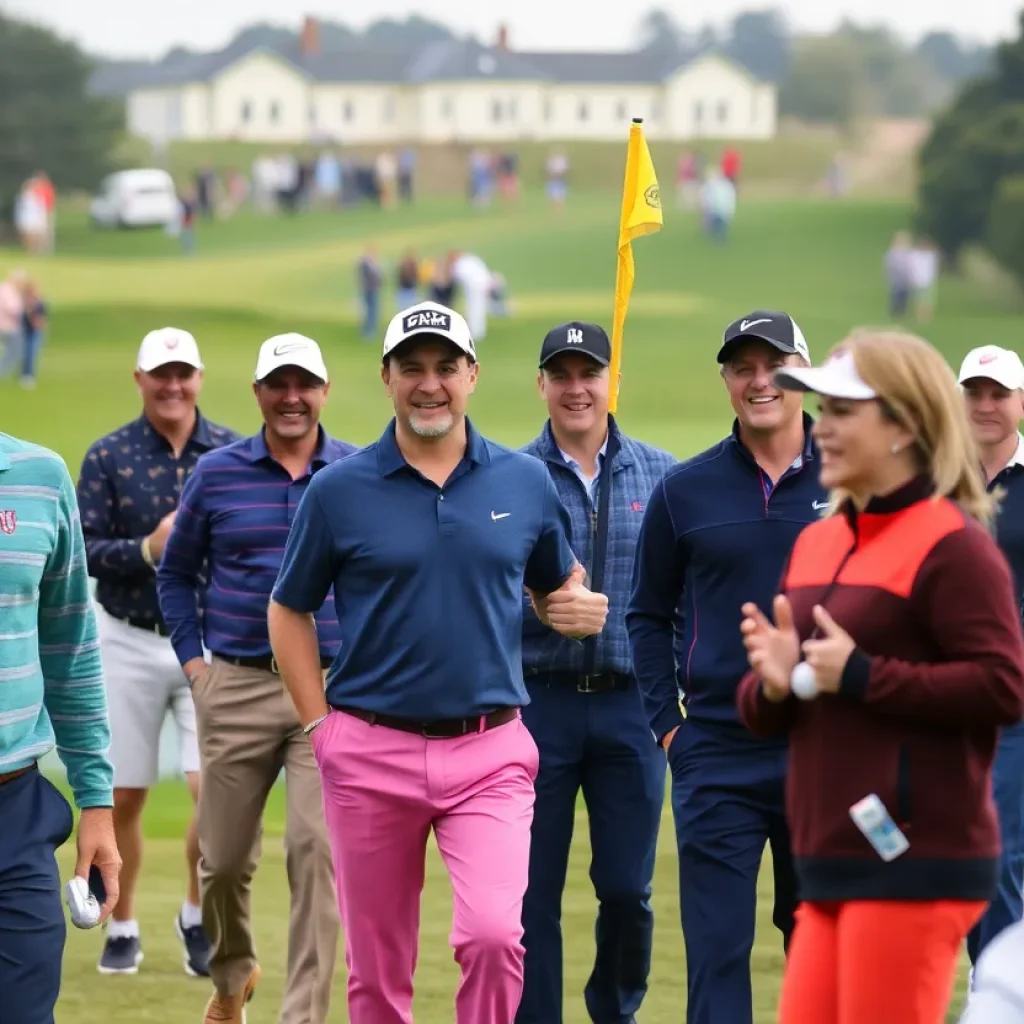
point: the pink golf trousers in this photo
(383, 791)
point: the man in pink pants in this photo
(428, 537)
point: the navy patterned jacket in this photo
(635, 469)
(128, 482)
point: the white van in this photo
(144, 198)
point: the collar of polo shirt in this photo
(390, 458)
(200, 432)
(259, 449)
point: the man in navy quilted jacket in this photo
(585, 712)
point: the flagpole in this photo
(619, 313)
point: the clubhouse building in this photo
(454, 90)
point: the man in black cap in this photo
(717, 532)
(585, 712)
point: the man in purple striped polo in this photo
(235, 513)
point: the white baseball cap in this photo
(168, 345)
(429, 318)
(290, 350)
(837, 377)
(993, 363)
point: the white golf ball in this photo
(803, 681)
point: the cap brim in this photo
(577, 351)
(1003, 380)
(150, 367)
(291, 366)
(733, 343)
(412, 340)
(319, 372)
(823, 380)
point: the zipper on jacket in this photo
(904, 804)
(834, 582)
(590, 643)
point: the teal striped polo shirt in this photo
(51, 677)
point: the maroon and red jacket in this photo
(926, 594)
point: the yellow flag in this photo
(641, 215)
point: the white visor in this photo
(835, 378)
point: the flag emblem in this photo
(640, 215)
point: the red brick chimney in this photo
(309, 40)
(502, 41)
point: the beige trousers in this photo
(248, 731)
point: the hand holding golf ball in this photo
(803, 682)
(774, 652)
(824, 656)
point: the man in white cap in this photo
(214, 583)
(128, 492)
(992, 381)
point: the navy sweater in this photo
(715, 535)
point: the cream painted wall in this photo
(715, 98)
(261, 98)
(485, 111)
(364, 112)
(600, 111)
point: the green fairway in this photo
(162, 993)
(255, 276)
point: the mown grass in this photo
(254, 277)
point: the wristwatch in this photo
(307, 729)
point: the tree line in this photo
(854, 72)
(48, 120)
(971, 166)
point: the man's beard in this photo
(437, 428)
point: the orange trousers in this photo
(874, 962)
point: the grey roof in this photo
(115, 78)
(462, 59)
(635, 67)
(444, 61)
(362, 65)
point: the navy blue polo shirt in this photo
(428, 581)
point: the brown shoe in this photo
(231, 1009)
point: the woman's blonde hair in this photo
(918, 390)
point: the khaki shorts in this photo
(144, 683)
